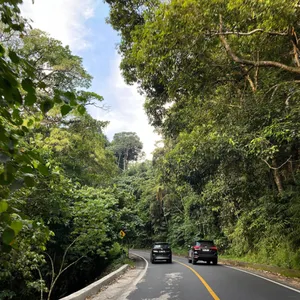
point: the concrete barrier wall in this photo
(95, 287)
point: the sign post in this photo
(122, 235)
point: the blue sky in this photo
(81, 25)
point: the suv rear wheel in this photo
(193, 260)
(215, 261)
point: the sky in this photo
(81, 25)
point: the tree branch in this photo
(276, 86)
(41, 280)
(277, 168)
(52, 268)
(65, 253)
(247, 76)
(238, 33)
(266, 63)
(71, 264)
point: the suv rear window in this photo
(205, 243)
(162, 245)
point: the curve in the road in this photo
(176, 281)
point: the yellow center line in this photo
(213, 294)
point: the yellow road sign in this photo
(122, 233)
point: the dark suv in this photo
(203, 250)
(161, 251)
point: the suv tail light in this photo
(214, 248)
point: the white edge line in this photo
(144, 271)
(135, 282)
(281, 284)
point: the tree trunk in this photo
(119, 160)
(125, 160)
(277, 177)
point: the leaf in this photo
(16, 116)
(6, 178)
(42, 85)
(70, 96)
(6, 248)
(27, 169)
(28, 86)
(17, 96)
(30, 99)
(14, 57)
(81, 109)
(16, 226)
(2, 51)
(43, 169)
(35, 164)
(3, 206)
(25, 129)
(29, 181)
(17, 27)
(8, 235)
(6, 115)
(46, 106)
(20, 132)
(34, 155)
(65, 109)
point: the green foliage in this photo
(126, 147)
(221, 81)
(55, 168)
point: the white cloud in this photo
(127, 112)
(63, 19)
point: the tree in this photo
(221, 81)
(37, 188)
(126, 147)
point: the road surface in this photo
(183, 281)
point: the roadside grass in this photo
(248, 262)
(180, 251)
(115, 265)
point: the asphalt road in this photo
(181, 280)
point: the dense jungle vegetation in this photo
(221, 81)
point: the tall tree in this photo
(127, 146)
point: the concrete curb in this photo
(95, 287)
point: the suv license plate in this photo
(205, 250)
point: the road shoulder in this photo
(121, 286)
(288, 281)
